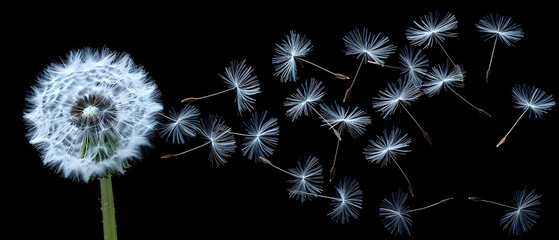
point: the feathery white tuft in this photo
(432, 29)
(531, 98)
(181, 124)
(501, 27)
(521, 219)
(293, 47)
(92, 113)
(363, 43)
(402, 93)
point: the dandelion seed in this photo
(295, 47)
(385, 149)
(414, 63)
(532, 100)
(238, 77)
(522, 215)
(218, 136)
(367, 47)
(346, 120)
(499, 27)
(396, 214)
(308, 177)
(433, 29)
(396, 95)
(262, 136)
(442, 77)
(181, 124)
(303, 100)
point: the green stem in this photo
(108, 208)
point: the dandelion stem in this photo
(490, 61)
(337, 75)
(446, 53)
(187, 151)
(432, 205)
(514, 125)
(192, 99)
(477, 199)
(326, 121)
(348, 91)
(425, 135)
(333, 168)
(478, 109)
(405, 176)
(107, 207)
(266, 161)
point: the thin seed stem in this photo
(242, 134)
(337, 75)
(192, 99)
(477, 199)
(469, 103)
(514, 125)
(385, 65)
(405, 176)
(331, 127)
(425, 135)
(266, 161)
(490, 61)
(446, 53)
(429, 206)
(333, 168)
(187, 151)
(316, 195)
(348, 91)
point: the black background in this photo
(185, 47)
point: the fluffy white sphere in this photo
(92, 113)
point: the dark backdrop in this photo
(185, 47)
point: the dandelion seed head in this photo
(443, 77)
(308, 179)
(501, 27)
(386, 147)
(394, 213)
(240, 76)
(432, 29)
(262, 136)
(523, 218)
(293, 47)
(181, 125)
(530, 98)
(92, 113)
(414, 63)
(222, 145)
(364, 44)
(352, 121)
(349, 201)
(304, 99)
(401, 93)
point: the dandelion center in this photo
(93, 110)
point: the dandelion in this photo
(531, 99)
(499, 27)
(522, 215)
(442, 77)
(261, 137)
(295, 47)
(347, 203)
(90, 116)
(218, 136)
(433, 29)
(413, 63)
(396, 214)
(181, 124)
(308, 177)
(239, 77)
(398, 95)
(385, 149)
(346, 120)
(303, 100)
(368, 47)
